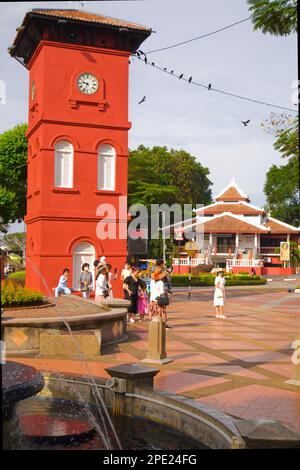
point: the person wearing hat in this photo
(101, 284)
(220, 293)
(157, 290)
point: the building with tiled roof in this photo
(234, 234)
(75, 27)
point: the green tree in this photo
(13, 174)
(286, 130)
(275, 17)
(281, 189)
(16, 241)
(282, 182)
(158, 175)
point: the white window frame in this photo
(106, 151)
(63, 146)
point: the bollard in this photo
(296, 361)
(157, 342)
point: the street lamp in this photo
(163, 235)
(191, 248)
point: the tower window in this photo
(106, 167)
(63, 164)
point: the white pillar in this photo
(255, 240)
(210, 239)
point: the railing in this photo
(185, 261)
(243, 263)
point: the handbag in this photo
(163, 301)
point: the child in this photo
(142, 301)
(85, 281)
(62, 284)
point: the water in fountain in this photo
(99, 415)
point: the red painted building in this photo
(235, 235)
(77, 135)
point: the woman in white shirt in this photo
(101, 285)
(219, 295)
(157, 288)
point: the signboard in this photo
(191, 248)
(284, 251)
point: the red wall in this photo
(58, 219)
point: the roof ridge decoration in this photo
(237, 193)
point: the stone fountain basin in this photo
(43, 331)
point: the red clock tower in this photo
(77, 137)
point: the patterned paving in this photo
(238, 365)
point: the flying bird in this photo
(142, 100)
(180, 76)
(190, 79)
(246, 122)
(209, 86)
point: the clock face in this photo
(87, 83)
(33, 90)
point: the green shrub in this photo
(15, 295)
(182, 280)
(18, 277)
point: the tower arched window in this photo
(64, 164)
(106, 167)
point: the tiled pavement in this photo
(238, 365)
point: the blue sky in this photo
(176, 114)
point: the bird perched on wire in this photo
(180, 76)
(246, 122)
(172, 71)
(145, 60)
(209, 86)
(152, 63)
(190, 79)
(165, 68)
(142, 100)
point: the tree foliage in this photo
(13, 174)
(286, 130)
(158, 175)
(275, 17)
(16, 241)
(282, 191)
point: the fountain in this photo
(18, 383)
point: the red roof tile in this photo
(277, 227)
(231, 194)
(234, 208)
(228, 224)
(90, 18)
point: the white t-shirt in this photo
(156, 289)
(101, 284)
(125, 273)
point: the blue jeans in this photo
(63, 290)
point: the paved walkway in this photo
(238, 365)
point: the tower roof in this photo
(232, 193)
(59, 25)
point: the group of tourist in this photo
(150, 301)
(144, 300)
(102, 284)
